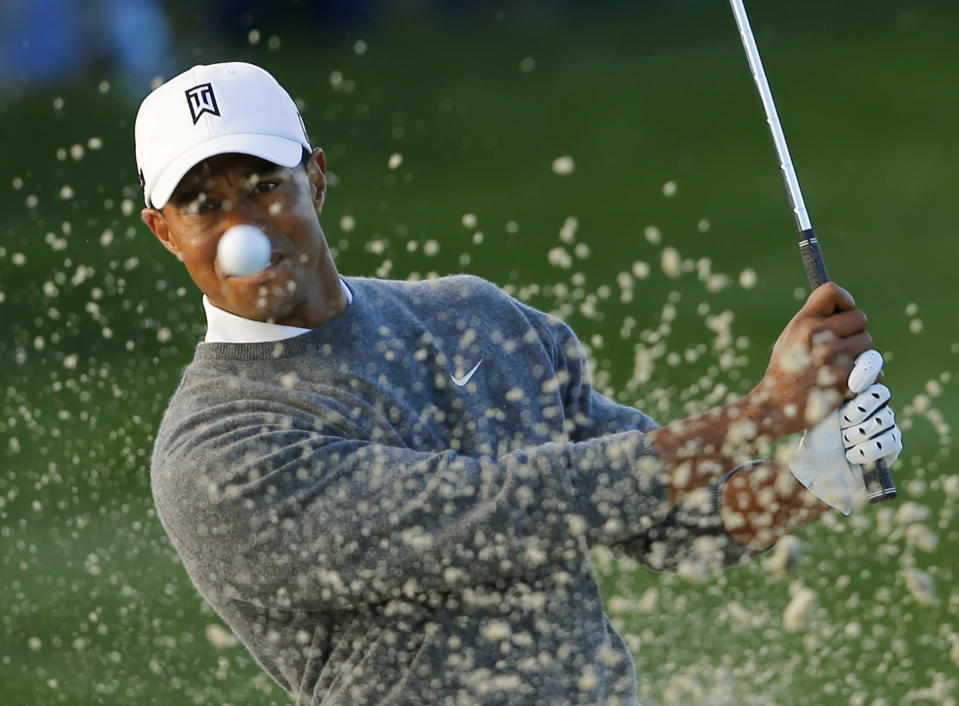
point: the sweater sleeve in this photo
(590, 413)
(692, 535)
(279, 513)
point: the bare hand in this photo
(810, 363)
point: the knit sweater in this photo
(397, 507)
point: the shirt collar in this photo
(224, 327)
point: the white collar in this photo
(224, 327)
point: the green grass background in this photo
(99, 320)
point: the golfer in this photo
(389, 490)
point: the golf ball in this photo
(243, 250)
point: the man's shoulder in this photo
(462, 285)
(450, 292)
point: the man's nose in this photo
(239, 213)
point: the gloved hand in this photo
(863, 430)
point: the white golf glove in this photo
(863, 429)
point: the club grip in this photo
(812, 258)
(878, 481)
(876, 477)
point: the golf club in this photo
(878, 480)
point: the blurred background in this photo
(604, 161)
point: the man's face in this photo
(233, 189)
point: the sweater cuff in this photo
(693, 538)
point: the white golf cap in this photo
(210, 110)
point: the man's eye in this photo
(202, 206)
(263, 187)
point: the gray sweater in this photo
(375, 533)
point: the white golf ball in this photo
(243, 250)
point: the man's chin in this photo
(272, 302)
(273, 312)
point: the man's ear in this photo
(158, 225)
(316, 173)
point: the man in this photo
(389, 490)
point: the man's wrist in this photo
(772, 420)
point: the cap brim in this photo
(278, 150)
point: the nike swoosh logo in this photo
(459, 382)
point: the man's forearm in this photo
(696, 451)
(764, 502)
(760, 503)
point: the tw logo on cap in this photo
(201, 100)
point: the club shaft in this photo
(877, 478)
(772, 117)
